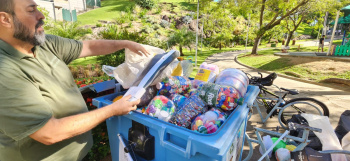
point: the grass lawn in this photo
(111, 8)
(307, 68)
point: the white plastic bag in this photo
(134, 64)
(327, 137)
(346, 144)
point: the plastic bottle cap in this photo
(163, 115)
(159, 85)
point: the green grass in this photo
(337, 42)
(84, 61)
(111, 9)
(267, 61)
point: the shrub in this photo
(164, 23)
(143, 13)
(149, 4)
(137, 9)
(156, 26)
(147, 29)
(157, 43)
(187, 19)
(69, 30)
(151, 19)
(113, 33)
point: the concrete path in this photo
(337, 100)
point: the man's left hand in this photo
(137, 48)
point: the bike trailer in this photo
(137, 136)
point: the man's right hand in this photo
(123, 106)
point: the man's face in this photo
(28, 22)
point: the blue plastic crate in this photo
(174, 143)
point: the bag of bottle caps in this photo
(192, 107)
(175, 85)
(161, 107)
(209, 122)
(224, 97)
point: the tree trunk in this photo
(290, 34)
(256, 45)
(180, 48)
(220, 46)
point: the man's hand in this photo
(137, 48)
(123, 106)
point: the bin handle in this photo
(173, 147)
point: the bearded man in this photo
(42, 113)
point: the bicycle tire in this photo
(322, 107)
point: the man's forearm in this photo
(56, 130)
(102, 47)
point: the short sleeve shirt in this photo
(34, 89)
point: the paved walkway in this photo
(337, 100)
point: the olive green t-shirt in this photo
(32, 90)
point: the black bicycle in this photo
(278, 104)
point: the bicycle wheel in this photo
(303, 105)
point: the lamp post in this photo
(197, 33)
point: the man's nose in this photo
(40, 16)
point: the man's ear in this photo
(5, 20)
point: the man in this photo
(321, 43)
(42, 113)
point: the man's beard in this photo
(23, 33)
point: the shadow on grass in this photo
(120, 5)
(188, 6)
(285, 63)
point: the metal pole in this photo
(246, 40)
(334, 28)
(197, 32)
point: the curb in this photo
(293, 78)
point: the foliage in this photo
(148, 4)
(143, 13)
(151, 19)
(113, 33)
(137, 9)
(69, 30)
(187, 19)
(147, 29)
(164, 23)
(221, 39)
(124, 17)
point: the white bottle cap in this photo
(163, 115)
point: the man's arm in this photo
(104, 47)
(56, 130)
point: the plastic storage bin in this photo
(173, 143)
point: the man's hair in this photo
(7, 6)
(322, 35)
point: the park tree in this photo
(183, 38)
(293, 21)
(221, 39)
(271, 13)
